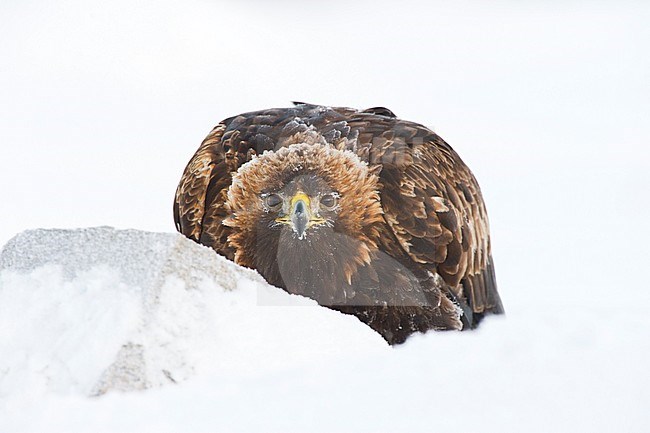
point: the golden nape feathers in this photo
(365, 213)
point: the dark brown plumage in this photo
(366, 213)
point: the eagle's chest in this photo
(312, 267)
(319, 269)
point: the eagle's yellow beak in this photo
(301, 215)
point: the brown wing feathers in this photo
(434, 207)
(190, 199)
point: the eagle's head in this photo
(306, 217)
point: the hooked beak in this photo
(300, 216)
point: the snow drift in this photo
(96, 309)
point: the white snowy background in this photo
(103, 103)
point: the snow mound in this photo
(90, 310)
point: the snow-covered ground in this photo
(103, 103)
(89, 317)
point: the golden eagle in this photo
(366, 213)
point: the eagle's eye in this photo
(273, 201)
(329, 201)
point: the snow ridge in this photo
(128, 310)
